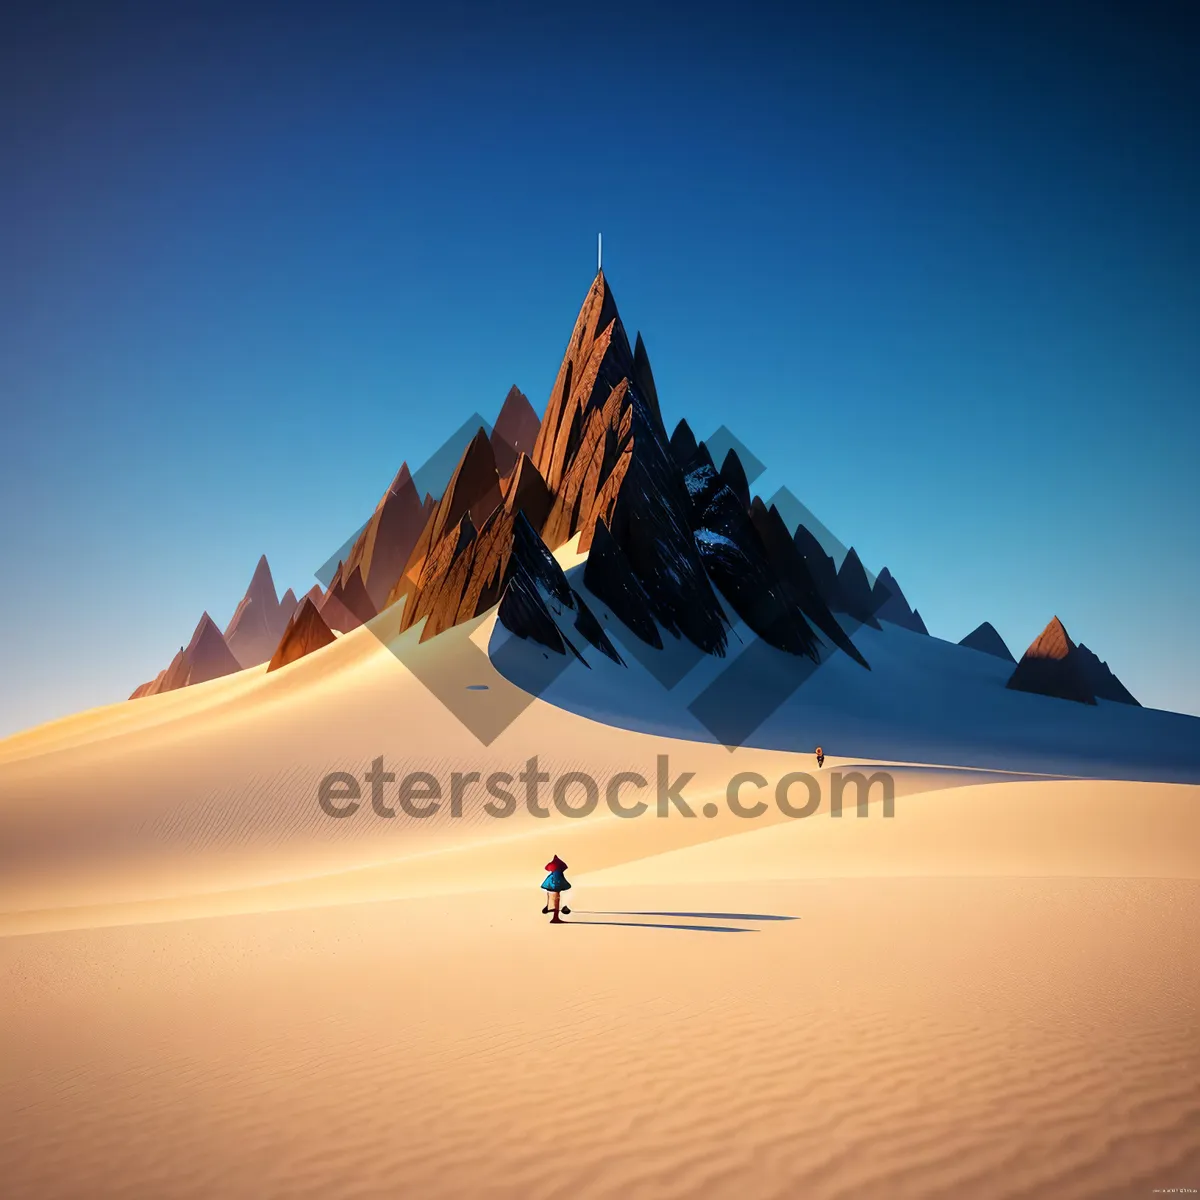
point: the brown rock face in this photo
(474, 490)
(305, 633)
(525, 491)
(604, 455)
(254, 630)
(473, 493)
(347, 605)
(205, 657)
(515, 431)
(1051, 667)
(384, 546)
(207, 654)
(150, 688)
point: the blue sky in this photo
(939, 269)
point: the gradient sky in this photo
(937, 265)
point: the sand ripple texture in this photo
(923, 1038)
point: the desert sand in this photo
(212, 988)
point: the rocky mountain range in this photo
(678, 547)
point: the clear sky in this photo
(937, 265)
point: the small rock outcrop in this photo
(1051, 667)
(305, 633)
(205, 657)
(986, 640)
(1104, 684)
(890, 604)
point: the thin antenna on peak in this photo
(599, 252)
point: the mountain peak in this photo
(515, 431)
(1052, 667)
(1052, 642)
(402, 480)
(306, 631)
(985, 639)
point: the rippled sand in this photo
(211, 991)
(902, 1037)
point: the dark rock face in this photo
(702, 483)
(793, 571)
(515, 431)
(985, 639)
(259, 619)
(854, 592)
(1104, 684)
(737, 562)
(651, 522)
(683, 444)
(533, 583)
(609, 577)
(820, 566)
(643, 381)
(890, 605)
(733, 475)
(306, 632)
(1051, 667)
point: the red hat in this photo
(556, 864)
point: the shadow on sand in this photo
(702, 916)
(710, 916)
(663, 925)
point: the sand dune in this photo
(215, 989)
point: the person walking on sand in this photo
(555, 883)
(820, 758)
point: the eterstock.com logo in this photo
(761, 678)
(573, 794)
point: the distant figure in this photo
(556, 883)
(820, 758)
